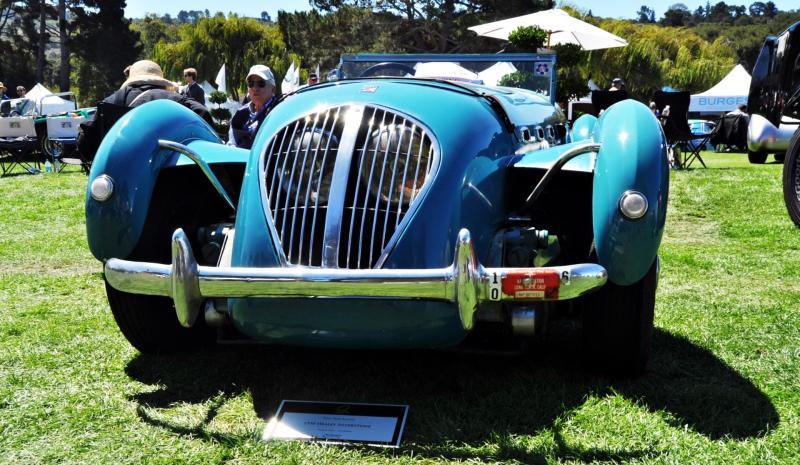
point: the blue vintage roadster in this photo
(389, 209)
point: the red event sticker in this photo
(531, 284)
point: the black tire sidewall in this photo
(791, 179)
(758, 158)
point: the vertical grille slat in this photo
(339, 183)
(322, 171)
(361, 158)
(405, 174)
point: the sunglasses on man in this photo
(257, 83)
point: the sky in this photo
(603, 8)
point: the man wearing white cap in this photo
(247, 120)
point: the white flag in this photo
(319, 78)
(289, 80)
(220, 80)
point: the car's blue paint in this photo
(583, 127)
(129, 154)
(467, 192)
(633, 156)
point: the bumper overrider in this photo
(465, 283)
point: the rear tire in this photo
(791, 178)
(757, 158)
(618, 325)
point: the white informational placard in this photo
(338, 423)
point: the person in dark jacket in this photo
(146, 83)
(192, 88)
(247, 120)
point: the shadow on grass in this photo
(459, 398)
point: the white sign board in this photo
(338, 423)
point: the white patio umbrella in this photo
(561, 28)
(444, 70)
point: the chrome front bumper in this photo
(763, 136)
(465, 283)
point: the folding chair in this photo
(676, 127)
(602, 99)
(731, 132)
(18, 145)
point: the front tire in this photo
(618, 325)
(150, 324)
(757, 158)
(791, 178)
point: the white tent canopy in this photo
(561, 28)
(47, 103)
(726, 95)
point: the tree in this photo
(720, 13)
(439, 25)
(757, 9)
(658, 56)
(646, 15)
(237, 42)
(265, 17)
(677, 15)
(153, 30)
(104, 46)
(770, 10)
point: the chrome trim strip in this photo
(362, 155)
(465, 283)
(292, 187)
(556, 167)
(198, 160)
(380, 188)
(322, 174)
(405, 174)
(341, 171)
(307, 173)
(266, 200)
(308, 187)
(366, 191)
(391, 181)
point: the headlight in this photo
(102, 188)
(633, 204)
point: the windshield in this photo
(534, 72)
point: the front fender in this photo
(131, 157)
(632, 157)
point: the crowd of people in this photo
(145, 82)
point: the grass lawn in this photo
(723, 385)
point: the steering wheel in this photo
(375, 69)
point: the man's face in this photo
(312, 81)
(258, 89)
(188, 78)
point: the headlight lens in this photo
(633, 204)
(102, 188)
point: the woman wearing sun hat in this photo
(3, 95)
(145, 83)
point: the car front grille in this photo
(339, 183)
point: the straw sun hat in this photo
(147, 72)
